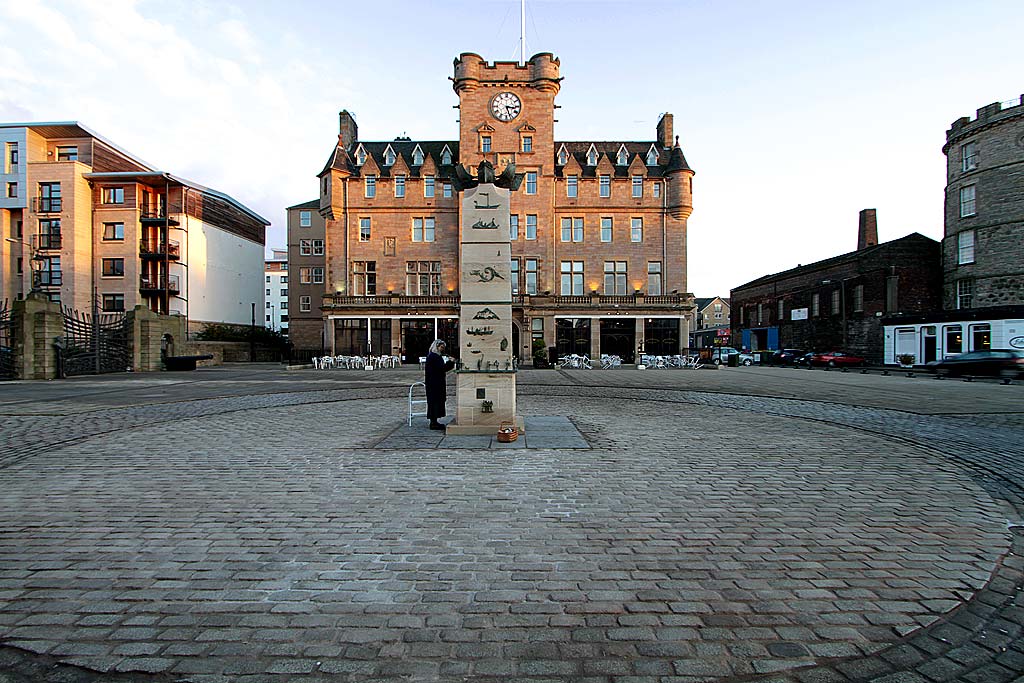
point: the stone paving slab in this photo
(862, 616)
(542, 431)
(227, 548)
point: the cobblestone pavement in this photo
(704, 536)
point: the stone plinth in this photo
(486, 386)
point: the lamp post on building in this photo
(35, 263)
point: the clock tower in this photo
(506, 111)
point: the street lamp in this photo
(35, 263)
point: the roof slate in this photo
(835, 260)
(668, 159)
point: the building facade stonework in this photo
(598, 228)
(983, 248)
(306, 266)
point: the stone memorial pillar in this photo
(486, 378)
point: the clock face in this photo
(506, 106)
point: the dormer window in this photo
(389, 156)
(592, 156)
(446, 156)
(563, 156)
(652, 156)
(417, 156)
(360, 155)
(622, 158)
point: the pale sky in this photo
(794, 115)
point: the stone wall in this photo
(37, 324)
(153, 333)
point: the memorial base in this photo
(482, 429)
(485, 400)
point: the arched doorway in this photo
(618, 338)
(417, 336)
(661, 336)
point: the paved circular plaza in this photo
(700, 535)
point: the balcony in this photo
(388, 300)
(163, 283)
(47, 204)
(154, 248)
(157, 215)
(592, 303)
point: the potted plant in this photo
(906, 360)
(540, 356)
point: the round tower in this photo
(467, 72)
(678, 184)
(984, 212)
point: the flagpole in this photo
(522, 31)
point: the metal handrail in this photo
(168, 282)
(155, 246)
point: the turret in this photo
(679, 184)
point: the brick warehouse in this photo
(839, 303)
(599, 229)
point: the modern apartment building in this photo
(96, 226)
(598, 227)
(275, 272)
(307, 263)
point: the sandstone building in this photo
(92, 223)
(599, 229)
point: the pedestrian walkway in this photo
(684, 535)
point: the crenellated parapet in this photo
(987, 116)
(541, 72)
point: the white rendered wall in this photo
(223, 277)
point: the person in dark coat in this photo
(433, 377)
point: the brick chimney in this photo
(867, 229)
(665, 131)
(349, 131)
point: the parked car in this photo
(835, 359)
(1002, 363)
(786, 356)
(721, 355)
(805, 359)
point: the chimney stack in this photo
(665, 131)
(867, 230)
(348, 130)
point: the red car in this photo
(837, 359)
